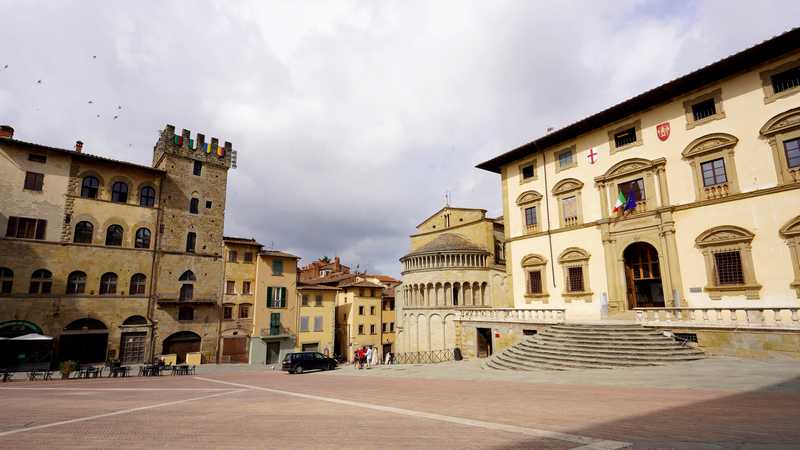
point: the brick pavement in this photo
(244, 417)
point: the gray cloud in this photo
(351, 119)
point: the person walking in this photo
(368, 356)
(388, 358)
(376, 358)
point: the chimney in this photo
(6, 132)
(79, 146)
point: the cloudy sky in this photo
(351, 118)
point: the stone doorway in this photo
(484, 342)
(180, 344)
(643, 276)
(273, 352)
(84, 341)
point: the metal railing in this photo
(427, 357)
(274, 331)
(532, 315)
(717, 317)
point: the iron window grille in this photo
(625, 137)
(575, 279)
(706, 108)
(786, 80)
(728, 266)
(535, 282)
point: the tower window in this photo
(194, 204)
(191, 240)
(198, 168)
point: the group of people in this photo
(367, 356)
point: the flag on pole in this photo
(620, 203)
(631, 203)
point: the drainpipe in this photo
(154, 265)
(547, 208)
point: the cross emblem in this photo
(592, 156)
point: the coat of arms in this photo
(662, 130)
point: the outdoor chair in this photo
(7, 376)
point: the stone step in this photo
(634, 351)
(608, 345)
(548, 363)
(599, 335)
(605, 339)
(657, 357)
(581, 360)
(576, 332)
(589, 327)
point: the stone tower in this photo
(189, 264)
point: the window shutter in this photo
(283, 297)
(41, 225)
(11, 231)
(269, 297)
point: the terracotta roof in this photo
(239, 240)
(316, 287)
(385, 278)
(362, 283)
(745, 60)
(330, 278)
(83, 156)
(447, 242)
(278, 253)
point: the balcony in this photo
(716, 191)
(275, 333)
(784, 318)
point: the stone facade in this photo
(104, 277)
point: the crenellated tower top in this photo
(197, 148)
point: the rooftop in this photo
(81, 155)
(447, 242)
(240, 240)
(736, 63)
(278, 254)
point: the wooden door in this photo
(132, 347)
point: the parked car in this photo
(301, 361)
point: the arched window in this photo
(114, 235)
(41, 282)
(6, 280)
(76, 282)
(119, 192)
(147, 196)
(137, 284)
(194, 205)
(187, 276)
(108, 283)
(185, 313)
(89, 187)
(83, 232)
(142, 238)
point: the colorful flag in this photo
(220, 151)
(620, 203)
(631, 203)
(208, 148)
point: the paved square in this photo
(455, 405)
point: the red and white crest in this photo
(662, 130)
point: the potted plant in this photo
(66, 368)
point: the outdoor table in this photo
(121, 371)
(44, 374)
(7, 376)
(182, 369)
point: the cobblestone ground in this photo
(710, 404)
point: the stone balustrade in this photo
(718, 317)
(515, 315)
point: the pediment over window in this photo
(573, 254)
(528, 197)
(792, 228)
(567, 185)
(784, 121)
(709, 143)
(533, 260)
(723, 235)
(630, 166)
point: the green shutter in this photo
(269, 296)
(283, 297)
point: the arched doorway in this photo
(133, 340)
(180, 344)
(84, 341)
(643, 276)
(14, 328)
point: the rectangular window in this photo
(786, 80)
(792, 149)
(232, 256)
(34, 181)
(706, 108)
(208, 204)
(569, 205)
(535, 282)
(276, 297)
(360, 292)
(729, 267)
(198, 168)
(26, 228)
(384, 327)
(230, 287)
(318, 323)
(304, 301)
(304, 323)
(227, 312)
(277, 267)
(244, 311)
(248, 257)
(360, 310)
(361, 329)
(391, 327)
(530, 217)
(713, 172)
(625, 137)
(318, 300)
(245, 288)
(371, 310)
(372, 329)
(565, 159)
(575, 279)
(191, 240)
(635, 188)
(37, 158)
(194, 205)
(528, 171)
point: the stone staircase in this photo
(589, 346)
